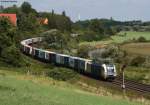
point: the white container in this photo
(71, 62)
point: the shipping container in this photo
(58, 59)
(24, 48)
(52, 57)
(76, 63)
(47, 55)
(71, 62)
(27, 49)
(88, 67)
(33, 51)
(30, 51)
(81, 65)
(41, 54)
(66, 61)
(36, 53)
(96, 70)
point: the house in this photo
(12, 17)
(43, 21)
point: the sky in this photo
(122, 10)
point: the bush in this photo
(12, 56)
(61, 74)
(137, 61)
(141, 39)
(83, 51)
(90, 36)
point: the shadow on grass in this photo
(5, 88)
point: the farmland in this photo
(130, 35)
(140, 74)
(120, 38)
(137, 48)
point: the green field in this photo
(119, 38)
(129, 36)
(19, 89)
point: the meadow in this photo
(20, 89)
(120, 38)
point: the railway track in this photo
(129, 84)
(132, 85)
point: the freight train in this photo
(81, 65)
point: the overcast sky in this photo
(118, 9)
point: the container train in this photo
(81, 65)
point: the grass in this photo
(141, 74)
(137, 48)
(19, 89)
(129, 36)
(120, 38)
(44, 84)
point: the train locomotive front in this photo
(109, 71)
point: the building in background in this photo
(43, 21)
(11, 17)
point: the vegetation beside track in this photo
(27, 89)
(61, 83)
(142, 72)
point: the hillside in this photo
(19, 89)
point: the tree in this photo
(7, 33)
(96, 26)
(83, 51)
(64, 13)
(52, 21)
(56, 39)
(28, 22)
(8, 51)
(26, 7)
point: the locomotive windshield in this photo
(110, 69)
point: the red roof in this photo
(12, 17)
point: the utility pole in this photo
(123, 75)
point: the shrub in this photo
(61, 74)
(90, 36)
(141, 39)
(12, 56)
(137, 61)
(83, 51)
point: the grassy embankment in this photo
(19, 89)
(43, 84)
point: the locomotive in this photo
(81, 65)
